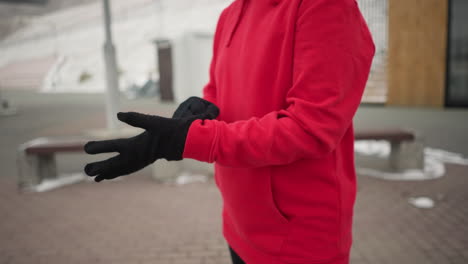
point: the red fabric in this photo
(288, 76)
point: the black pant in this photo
(235, 258)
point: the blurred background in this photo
(66, 68)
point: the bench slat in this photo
(391, 135)
(52, 145)
(78, 147)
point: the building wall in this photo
(417, 52)
(375, 13)
(457, 90)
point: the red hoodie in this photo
(288, 76)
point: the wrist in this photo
(200, 140)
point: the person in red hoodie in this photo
(285, 81)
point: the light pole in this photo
(112, 79)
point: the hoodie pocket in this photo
(250, 206)
(274, 205)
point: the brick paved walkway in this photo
(133, 220)
(136, 220)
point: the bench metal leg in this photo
(47, 167)
(406, 155)
(33, 169)
(395, 153)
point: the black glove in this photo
(162, 138)
(196, 106)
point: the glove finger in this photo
(210, 113)
(107, 166)
(213, 111)
(99, 178)
(102, 177)
(103, 146)
(183, 109)
(197, 107)
(139, 120)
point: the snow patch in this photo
(77, 34)
(187, 177)
(379, 148)
(434, 161)
(421, 202)
(63, 180)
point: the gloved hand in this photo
(196, 106)
(162, 138)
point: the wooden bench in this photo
(405, 151)
(37, 163)
(36, 158)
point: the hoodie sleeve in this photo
(333, 51)
(209, 90)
